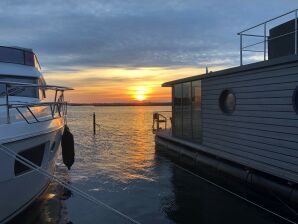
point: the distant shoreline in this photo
(121, 104)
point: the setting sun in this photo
(139, 93)
(140, 97)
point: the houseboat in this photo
(31, 128)
(243, 121)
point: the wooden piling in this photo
(94, 124)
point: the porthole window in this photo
(227, 101)
(295, 100)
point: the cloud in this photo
(164, 33)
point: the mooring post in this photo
(94, 124)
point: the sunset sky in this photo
(123, 50)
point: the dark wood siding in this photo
(263, 130)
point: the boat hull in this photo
(19, 185)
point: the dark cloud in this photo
(68, 34)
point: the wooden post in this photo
(7, 104)
(94, 124)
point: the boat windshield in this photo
(19, 90)
(18, 56)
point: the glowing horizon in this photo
(120, 85)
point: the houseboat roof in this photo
(233, 70)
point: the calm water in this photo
(120, 167)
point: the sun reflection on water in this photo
(123, 147)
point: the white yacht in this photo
(31, 126)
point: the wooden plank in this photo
(257, 75)
(257, 101)
(252, 88)
(270, 140)
(278, 108)
(254, 157)
(253, 120)
(255, 83)
(255, 94)
(244, 130)
(255, 126)
(270, 150)
(259, 114)
(285, 162)
(252, 82)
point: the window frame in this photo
(23, 54)
(222, 101)
(295, 100)
(21, 79)
(181, 112)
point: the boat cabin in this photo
(17, 55)
(20, 65)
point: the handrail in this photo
(14, 105)
(265, 36)
(163, 111)
(158, 118)
(59, 105)
(50, 87)
(267, 21)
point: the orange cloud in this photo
(105, 85)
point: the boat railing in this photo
(161, 120)
(261, 32)
(57, 107)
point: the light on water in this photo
(120, 167)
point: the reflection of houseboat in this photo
(31, 128)
(244, 120)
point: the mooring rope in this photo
(40, 170)
(234, 194)
(284, 203)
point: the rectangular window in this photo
(11, 55)
(18, 56)
(29, 58)
(177, 110)
(187, 114)
(196, 103)
(19, 90)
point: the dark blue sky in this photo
(140, 33)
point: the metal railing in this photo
(58, 107)
(159, 118)
(265, 27)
